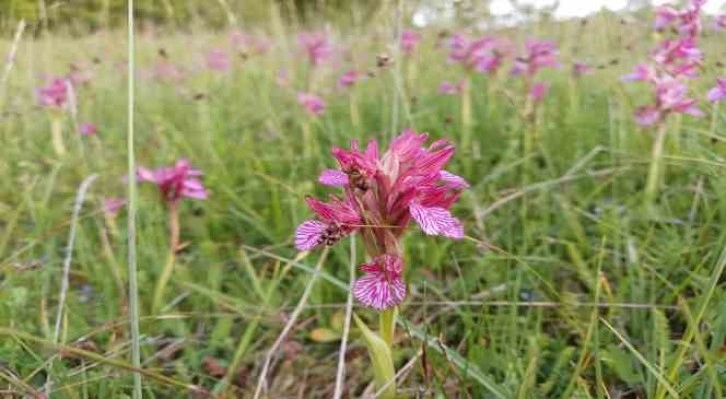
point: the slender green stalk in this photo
(387, 320)
(171, 258)
(651, 188)
(56, 131)
(132, 207)
(466, 114)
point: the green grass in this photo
(568, 287)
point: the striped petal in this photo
(308, 235)
(333, 178)
(381, 286)
(436, 221)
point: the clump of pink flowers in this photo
(448, 88)
(54, 95)
(87, 129)
(317, 47)
(581, 69)
(175, 182)
(538, 54)
(409, 40)
(313, 105)
(719, 22)
(673, 62)
(718, 93)
(382, 194)
(218, 60)
(484, 54)
(247, 43)
(349, 79)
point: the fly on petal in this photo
(309, 235)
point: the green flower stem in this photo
(56, 131)
(654, 173)
(387, 320)
(384, 373)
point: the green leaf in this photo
(383, 372)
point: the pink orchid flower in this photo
(218, 60)
(485, 54)
(538, 91)
(671, 96)
(383, 193)
(538, 54)
(112, 206)
(317, 47)
(718, 93)
(581, 69)
(175, 182)
(719, 22)
(449, 88)
(87, 129)
(54, 95)
(349, 79)
(313, 104)
(409, 40)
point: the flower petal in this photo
(452, 181)
(308, 235)
(333, 178)
(436, 221)
(381, 286)
(375, 291)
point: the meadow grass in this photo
(566, 287)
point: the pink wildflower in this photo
(409, 40)
(166, 71)
(313, 104)
(719, 22)
(382, 195)
(241, 41)
(538, 55)
(88, 129)
(348, 79)
(718, 93)
(218, 60)
(382, 285)
(671, 96)
(54, 95)
(175, 182)
(449, 88)
(317, 47)
(485, 54)
(112, 206)
(641, 72)
(581, 69)
(679, 57)
(538, 91)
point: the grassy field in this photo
(570, 283)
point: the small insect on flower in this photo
(383, 193)
(175, 182)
